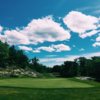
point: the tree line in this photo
(80, 67)
(12, 58)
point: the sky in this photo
(52, 30)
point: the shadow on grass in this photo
(20, 93)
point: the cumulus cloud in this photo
(61, 47)
(46, 29)
(15, 37)
(38, 31)
(81, 23)
(25, 48)
(2, 38)
(53, 48)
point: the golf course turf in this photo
(48, 89)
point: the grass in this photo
(44, 83)
(48, 89)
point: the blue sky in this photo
(52, 30)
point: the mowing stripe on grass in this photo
(44, 83)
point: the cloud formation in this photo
(61, 47)
(82, 49)
(81, 23)
(97, 43)
(1, 28)
(59, 60)
(2, 38)
(15, 37)
(53, 48)
(46, 29)
(37, 31)
(89, 34)
(25, 48)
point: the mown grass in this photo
(44, 83)
(48, 89)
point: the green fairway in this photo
(44, 83)
(48, 89)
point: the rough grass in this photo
(48, 89)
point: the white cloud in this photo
(1, 28)
(97, 43)
(82, 49)
(89, 55)
(61, 47)
(59, 60)
(36, 51)
(2, 38)
(38, 31)
(98, 39)
(89, 34)
(25, 48)
(15, 37)
(81, 23)
(53, 48)
(48, 49)
(46, 29)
